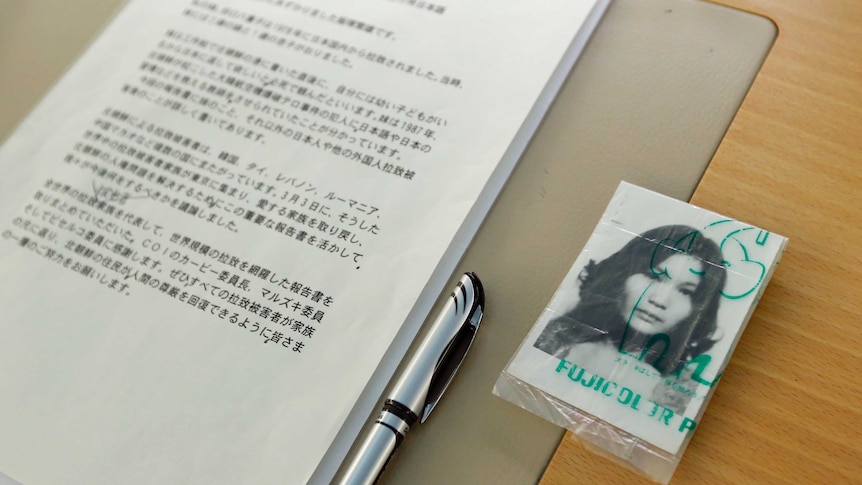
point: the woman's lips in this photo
(648, 317)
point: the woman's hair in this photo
(598, 314)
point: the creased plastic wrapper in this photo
(630, 348)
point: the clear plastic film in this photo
(630, 348)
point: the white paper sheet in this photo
(217, 222)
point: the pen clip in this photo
(453, 355)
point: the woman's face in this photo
(658, 302)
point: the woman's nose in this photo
(657, 297)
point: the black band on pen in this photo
(401, 411)
(398, 436)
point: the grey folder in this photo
(648, 102)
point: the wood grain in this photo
(789, 408)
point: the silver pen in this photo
(422, 381)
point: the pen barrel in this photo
(374, 454)
(421, 382)
(412, 386)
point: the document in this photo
(216, 223)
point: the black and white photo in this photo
(639, 332)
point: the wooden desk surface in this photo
(788, 408)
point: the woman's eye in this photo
(686, 291)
